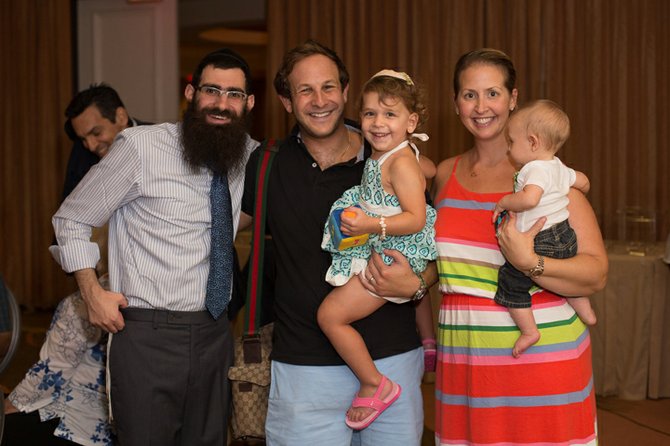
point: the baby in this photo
(534, 134)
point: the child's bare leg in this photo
(426, 328)
(582, 306)
(342, 306)
(524, 319)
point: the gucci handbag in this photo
(250, 379)
(250, 374)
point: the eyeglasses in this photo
(231, 95)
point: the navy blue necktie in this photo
(220, 277)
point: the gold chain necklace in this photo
(340, 157)
(346, 149)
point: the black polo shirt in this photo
(300, 195)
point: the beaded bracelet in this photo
(382, 223)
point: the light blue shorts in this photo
(308, 405)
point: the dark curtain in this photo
(605, 62)
(35, 80)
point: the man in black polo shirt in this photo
(323, 156)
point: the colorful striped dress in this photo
(483, 395)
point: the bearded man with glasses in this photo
(169, 351)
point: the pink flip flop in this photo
(375, 403)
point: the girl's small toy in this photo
(340, 240)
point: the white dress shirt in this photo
(159, 219)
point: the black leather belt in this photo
(167, 316)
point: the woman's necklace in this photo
(473, 172)
(482, 169)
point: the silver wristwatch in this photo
(423, 289)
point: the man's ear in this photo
(345, 93)
(251, 101)
(286, 102)
(121, 117)
(189, 91)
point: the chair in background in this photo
(10, 331)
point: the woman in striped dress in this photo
(485, 396)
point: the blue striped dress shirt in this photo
(159, 217)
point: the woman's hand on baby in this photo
(497, 211)
(519, 247)
(354, 221)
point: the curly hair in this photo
(389, 87)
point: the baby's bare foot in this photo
(525, 340)
(588, 317)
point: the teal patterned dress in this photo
(419, 248)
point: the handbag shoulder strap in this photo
(254, 296)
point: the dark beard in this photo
(220, 148)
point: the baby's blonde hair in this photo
(547, 120)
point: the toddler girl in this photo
(390, 207)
